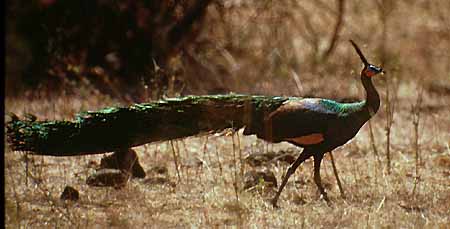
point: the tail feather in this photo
(117, 128)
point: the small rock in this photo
(159, 169)
(70, 193)
(124, 160)
(108, 178)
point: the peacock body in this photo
(271, 118)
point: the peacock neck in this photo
(372, 103)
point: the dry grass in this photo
(209, 194)
(206, 196)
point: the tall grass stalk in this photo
(175, 160)
(416, 109)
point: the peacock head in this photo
(369, 70)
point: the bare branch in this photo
(337, 28)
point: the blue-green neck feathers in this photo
(341, 108)
(367, 108)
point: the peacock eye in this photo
(374, 68)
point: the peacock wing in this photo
(301, 121)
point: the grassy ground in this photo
(209, 190)
(261, 49)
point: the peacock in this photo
(321, 125)
(315, 124)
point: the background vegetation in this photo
(64, 57)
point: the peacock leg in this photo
(317, 179)
(291, 170)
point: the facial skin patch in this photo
(369, 73)
(308, 139)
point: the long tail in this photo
(117, 128)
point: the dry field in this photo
(209, 191)
(412, 124)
